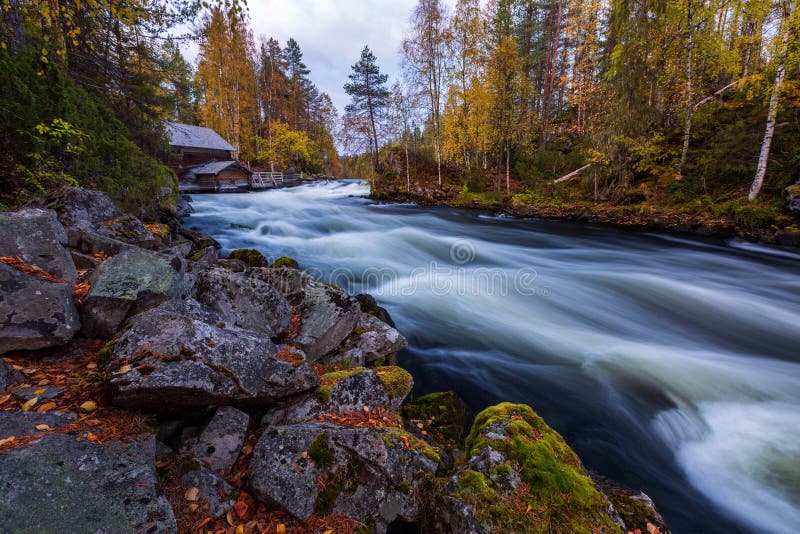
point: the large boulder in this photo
(520, 477)
(62, 483)
(220, 443)
(37, 237)
(371, 475)
(130, 282)
(243, 302)
(793, 197)
(166, 360)
(346, 391)
(327, 315)
(372, 339)
(75, 204)
(9, 377)
(34, 313)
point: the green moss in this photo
(634, 513)
(441, 412)
(330, 492)
(323, 393)
(333, 377)
(286, 261)
(250, 256)
(472, 486)
(220, 325)
(405, 487)
(417, 444)
(397, 381)
(319, 451)
(102, 356)
(559, 488)
(380, 362)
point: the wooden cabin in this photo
(216, 176)
(204, 161)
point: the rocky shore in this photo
(638, 217)
(148, 385)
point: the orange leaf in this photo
(4, 398)
(241, 510)
(46, 407)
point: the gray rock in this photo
(206, 257)
(374, 339)
(793, 197)
(221, 441)
(244, 302)
(450, 514)
(38, 238)
(327, 315)
(370, 305)
(177, 361)
(182, 249)
(34, 314)
(352, 393)
(234, 266)
(129, 229)
(183, 207)
(50, 392)
(9, 377)
(60, 483)
(83, 261)
(21, 424)
(85, 239)
(76, 205)
(368, 473)
(213, 490)
(126, 284)
(199, 240)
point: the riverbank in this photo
(767, 224)
(150, 384)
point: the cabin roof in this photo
(195, 137)
(216, 167)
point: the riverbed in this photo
(670, 363)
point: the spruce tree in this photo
(370, 96)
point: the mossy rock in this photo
(250, 256)
(555, 490)
(443, 413)
(397, 381)
(286, 261)
(320, 451)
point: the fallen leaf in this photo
(46, 407)
(329, 531)
(29, 371)
(91, 436)
(230, 518)
(124, 369)
(89, 406)
(239, 530)
(192, 493)
(92, 366)
(39, 391)
(280, 529)
(43, 382)
(30, 403)
(9, 439)
(652, 529)
(4, 398)
(17, 367)
(203, 523)
(193, 507)
(241, 510)
(42, 427)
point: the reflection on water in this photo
(668, 363)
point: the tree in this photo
(424, 55)
(785, 31)
(297, 74)
(367, 87)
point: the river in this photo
(669, 363)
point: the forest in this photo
(687, 106)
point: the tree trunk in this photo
(508, 171)
(687, 127)
(13, 18)
(408, 172)
(774, 100)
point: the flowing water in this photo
(670, 364)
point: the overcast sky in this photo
(331, 34)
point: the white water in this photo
(669, 363)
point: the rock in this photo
(9, 377)
(134, 280)
(34, 313)
(345, 391)
(327, 317)
(83, 261)
(370, 306)
(129, 229)
(21, 424)
(43, 393)
(369, 475)
(250, 256)
(634, 510)
(286, 261)
(221, 441)
(789, 236)
(183, 207)
(515, 458)
(59, 482)
(38, 238)
(75, 205)
(793, 197)
(84, 238)
(205, 258)
(182, 249)
(327, 314)
(443, 415)
(244, 302)
(179, 362)
(212, 489)
(374, 338)
(200, 241)
(234, 266)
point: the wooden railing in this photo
(270, 180)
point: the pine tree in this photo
(297, 73)
(370, 96)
